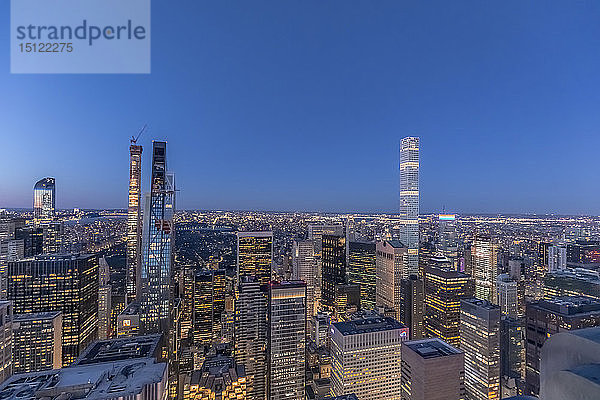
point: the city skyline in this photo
(270, 97)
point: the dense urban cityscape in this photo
(153, 302)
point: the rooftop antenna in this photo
(134, 139)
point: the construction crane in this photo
(134, 139)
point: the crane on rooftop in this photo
(134, 139)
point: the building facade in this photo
(334, 269)
(391, 268)
(484, 255)
(37, 341)
(409, 201)
(134, 224)
(362, 271)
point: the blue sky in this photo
(300, 105)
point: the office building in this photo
(366, 354)
(334, 269)
(157, 255)
(583, 254)
(134, 223)
(219, 378)
(104, 300)
(484, 255)
(480, 340)
(316, 232)
(548, 317)
(362, 271)
(287, 340)
(391, 269)
(447, 243)
(444, 289)
(347, 301)
(255, 255)
(432, 370)
(508, 298)
(412, 305)
(10, 250)
(208, 306)
(305, 269)
(44, 200)
(250, 334)
(409, 202)
(37, 341)
(67, 283)
(512, 348)
(128, 321)
(6, 340)
(570, 365)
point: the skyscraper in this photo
(484, 255)
(305, 269)
(219, 378)
(409, 201)
(208, 306)
(134, 223)
(255, 255)
(104, 300)
(366, 353)
(362, 271)
(508, 298)
(447, 243)
(412, 305)
(287, 340)
(44, 200)
(251, 334)
(6, 340)
(480, 340)
(432, 370)
(391, 268)
(444, 290)
(334, 269)
(37, 343)
(67, 283)
(157, 245)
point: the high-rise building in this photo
(134, 223)
(10, 250)
(287, 340)
(391, 268)
(508, 298)
(550, 316)
(444, 289)
(305, 269)
(250, 334)
(347, 301)
(104, 300)
(208, 306)
(583, 254)
(409, 201)
(432, 370)
(219, 378)
(447, 242)
(362, 271)
(412, 305)
(67, 283)
(366, 354)
(315, 234)
(37, 341)
(6, 340)
(44, 200)
(484, 255)
(334, 269)
(512, 348)
(255, 255)
(557, 258)
(158, 229)
(480, 340)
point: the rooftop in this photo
(91, 382)
(431, 348)
(367, 323)
(35, 316)
(344, 397)
(121, 349)
(569, 305)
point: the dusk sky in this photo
(300, 105)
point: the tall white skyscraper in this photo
(484, 255)
(508, 298)
(409, 201)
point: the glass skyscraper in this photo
(409, 201)
(157, 244)
(44, 200)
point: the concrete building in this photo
(304, 267)
(480, 340)
(128, 321)
(391, 269)
(6, 340)
(409, 202)
(366, 355)
(570, 365)
(432, 370)
(37, 341)
(484, 255)
(220, 378)
(508, 298)
(412, 305)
